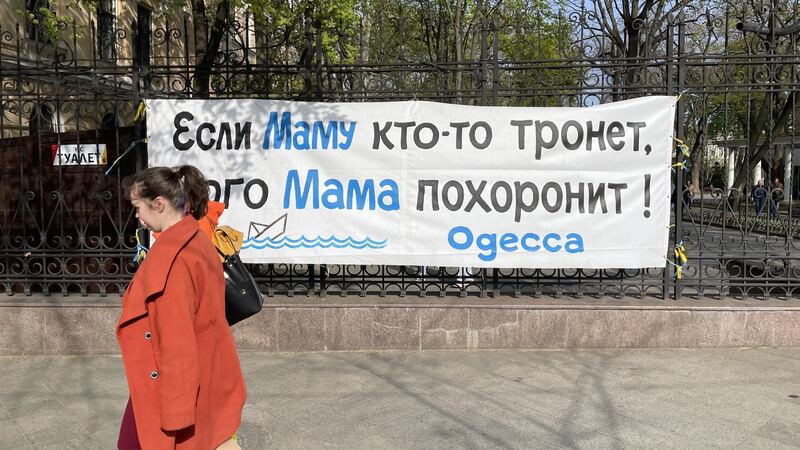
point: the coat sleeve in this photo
(172, 316)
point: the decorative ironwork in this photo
(68, 230)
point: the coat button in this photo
(147, 335)
(154, 374)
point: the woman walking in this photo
(186, 385)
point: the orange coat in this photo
(180, 359)
(209, 221)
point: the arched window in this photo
(42, 119)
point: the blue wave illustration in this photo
(313, 242)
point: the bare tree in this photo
(632, 29)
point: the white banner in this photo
(424, 183)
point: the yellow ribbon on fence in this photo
(685, 150)
(141, 250)
(680, 255)
(141, 111)
(680, 165)
(683, 147)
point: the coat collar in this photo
(151, 277)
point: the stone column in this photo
(731, 167)
(757, 174)
(788, 169)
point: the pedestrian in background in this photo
(185, 381)
(759, 196)
(777, 196)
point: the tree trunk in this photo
(366, 30)
(207, 42)
(363, 44)
(459, 42)
(697, 150)
(632, 65)
(441, 51)
(759, 128)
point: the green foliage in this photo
(337, 20)
(444, 39)
(47, 22)
(55, 27)
(532, 30)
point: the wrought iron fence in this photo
(67, 229)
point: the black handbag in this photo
(242, 297)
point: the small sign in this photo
(79, 155)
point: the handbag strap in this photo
(223, 255)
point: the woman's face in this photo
(146, 213)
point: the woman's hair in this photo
(184, 187)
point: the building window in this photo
(109, 121)
(35, 24)
(106, 36)
(143, 42)
(42, 119)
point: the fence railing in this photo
(67, 229)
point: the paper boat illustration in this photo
(272, 230)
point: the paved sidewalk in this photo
(722, 398)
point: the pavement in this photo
(667, 398)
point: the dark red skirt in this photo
(128, 440)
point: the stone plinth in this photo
(85, 325)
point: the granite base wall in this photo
(50, 326)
